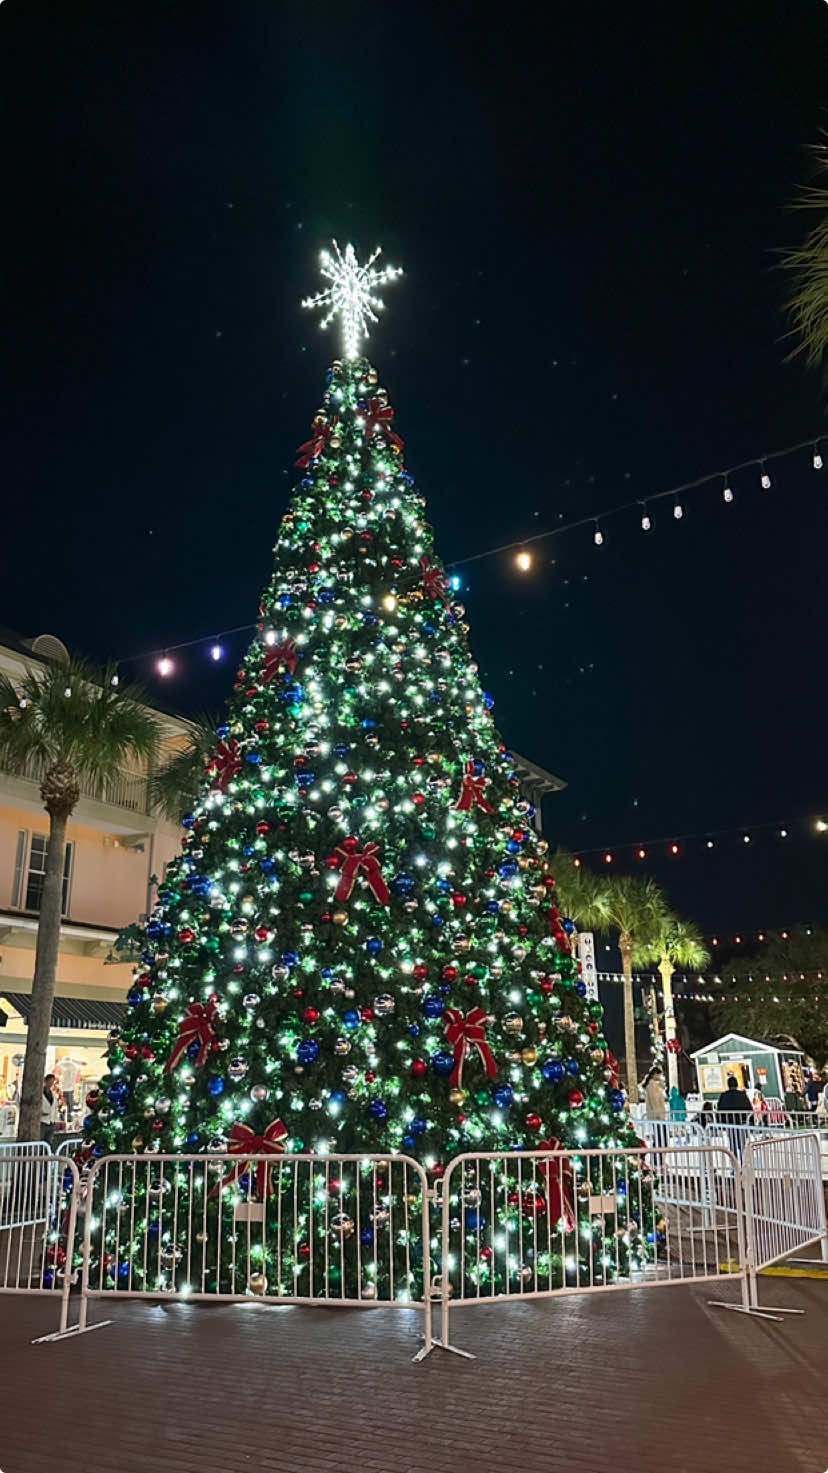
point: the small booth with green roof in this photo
(756, 1065)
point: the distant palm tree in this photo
(580, 893)
(635, 904)
(808, 306)
(76, 725)
(672, 943)
(177, 783)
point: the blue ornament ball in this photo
(118, 1091)
(437, 920)
(290, 958)
(617, 1100)
(502, 1096)
(223, 730)
(414, 1030)
(308, 1051)
(216, 1085)
(442, 1062)
(368, 723)
(572, 1067)
(267, 866)
(569, 926)
(475, 1221)
(253, 757)
(367, 1235)
(580, 988)
(338, 1097)
(351, 1018)
(403, 884)
(123, 1272)
(433, 1005)
(188, 820)
(418, 1126)
(134, 996)
(373, 946)
(378, 1109)
(553, 1070)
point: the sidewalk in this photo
(642, 1381)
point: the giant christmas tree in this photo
(359, 948)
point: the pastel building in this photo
(115, 844)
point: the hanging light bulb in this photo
(764, 479)
(216, 651)
(646, 523)
(727, 493)
(455, 582)
(608, 858)
(678, 511)
(164, 666)
(598, 536)
(817, 461)
(710, 844)
(523, 560)
(642, 854)
(745, 838)
(116, 680)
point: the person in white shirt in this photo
(49, 1109)
(67, 1075)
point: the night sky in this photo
(588, 207)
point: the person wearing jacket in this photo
(734, 1101)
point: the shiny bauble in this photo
(350, 1074)
(342, 1225)
(512, 1023)
(201, 1237)
(279, 972)
(411, 905)
(163, 1106)
(419, 1069)
(461, 944)
(171, 1256)
(384, 1004)
(258, 1093)
(239, 927)
(251, 1000)
(160, 1004)
(529, 1055)
(335, 813)
(368, 1291)
(342, 1046)
(506, 907)
(339, 917)
(257, 1284)
(457, 1096)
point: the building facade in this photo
(116, 843)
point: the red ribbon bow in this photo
(379, 417)
(277, 655)
(473, 792)
(245, 1143)
(615, 1068)
(463, 1034)
(560, 1184)
(226, 763)
(197, 1023)
(355, 860)
(434, 583)
(312, 448)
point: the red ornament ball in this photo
(547, 985)
(304, 1250)
(533, 1121)
(310, 1015)
(419, 1069)
(349, 844)
(458, 900)
(417, 761)
(186, 935)
(575, 1098)
(486, 1254)
(421, 972)
(333, 861)
(370, 1076)
(449, 973)
(367, 1015)
(262, 827)
(261, 933)
(418, 799)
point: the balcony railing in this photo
(126, 790)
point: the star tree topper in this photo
(351, 294)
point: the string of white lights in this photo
(523, 560)
(674, 846)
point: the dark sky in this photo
(587, 206)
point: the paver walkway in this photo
(628, 1382)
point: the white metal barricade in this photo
(537, 1224)
(784, 1202)
(38, 1206)
(287, 1229)
(68, 1145)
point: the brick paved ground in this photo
(634, 1381)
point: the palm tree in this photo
(580, 893)
(77, 726)
(808, 306)
(672, 943)
(634, 904)
(176, 784)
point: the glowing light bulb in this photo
(765, 480)
(727, 494)
(678, 511)
(389, 602)
(674, 849)
(646, 523)
(455, 582)
(216, 652)
(165, 665)
(598, 536)
(821, 826)
(523, 560)
(710, 843)
(115, 680)
(607, 859)
(745, 838)
(817, 462)
(642, 854)
(577, 863)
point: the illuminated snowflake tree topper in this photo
(351, 294)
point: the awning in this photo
(72, 1012)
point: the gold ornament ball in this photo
(457, 1096)
(159, 1004)
(339, 917)
(597, 1055)
(137, 1143)
(523, 863)
(257, 1284)
(513, 1023)
(506, 907)
(529, 1055)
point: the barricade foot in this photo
(72, 1331)
(742, 1309)
(439, 1345)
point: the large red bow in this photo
(277, 655)
(559, 935)
(613, 1065)
(245, 1143)
(463, 1034)
(197, 1024)
(379, 417)
(560, 1183)
(226, 763)
(434, 582)
(313, 448)
(473, 792)
(354, 860)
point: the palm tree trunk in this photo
(625, 946)
(665, 967)
(43, 984)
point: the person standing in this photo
(67, 1077)
(49, 1108)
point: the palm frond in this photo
(176, 786)
(579, 892)
(807, 306)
